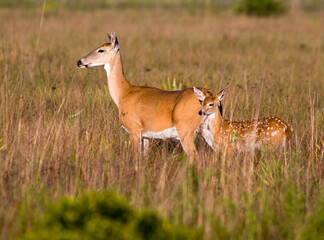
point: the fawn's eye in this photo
(211, 104)
(101, 51)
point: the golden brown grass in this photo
(60, 133)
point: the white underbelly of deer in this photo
(169, 133)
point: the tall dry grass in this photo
(60, 133)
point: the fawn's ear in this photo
(114, 42)
(221, 94)
(109, 38)
(199, 94)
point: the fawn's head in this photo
(209, 103)
(102, 55)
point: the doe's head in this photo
(210, 103)
(102, 55)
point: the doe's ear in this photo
(109, 38)
(114, 42)
(199, 94)
(221, 94)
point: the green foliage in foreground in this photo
(261, 7)
(315, 223)
(265, 216)
(103, 216)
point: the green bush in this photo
(261, 7)
(103, 216)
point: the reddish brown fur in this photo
(147, 109)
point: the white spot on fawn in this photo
(274, 133)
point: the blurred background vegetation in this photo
(252, 7)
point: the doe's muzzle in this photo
(79, 63)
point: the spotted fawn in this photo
(265, 132)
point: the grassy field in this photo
(60, 134)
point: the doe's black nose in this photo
(79, 63)
(200, 112)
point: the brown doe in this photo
(147, 112)
(267, 132)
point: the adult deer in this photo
(270, 132)
(147, 112)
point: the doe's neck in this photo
(117, 83)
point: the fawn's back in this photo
(271, 132)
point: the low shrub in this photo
(261, 7)
(103, 216)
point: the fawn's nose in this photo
(200, 112)
(79, 63)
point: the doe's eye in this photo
(101, 51)
(211, 104)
